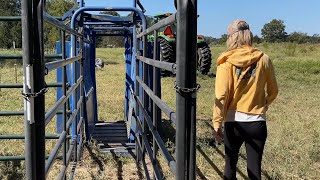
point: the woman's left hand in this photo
(218, 135)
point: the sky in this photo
(216, 15)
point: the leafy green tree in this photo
(112, 13)
(274, 31)
(315, 38)
(223, 39)
(55, 8)
(10, 31)
(210, 40)
(298, 37)
(257, 39)
(110, 41)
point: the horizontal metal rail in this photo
(79, 146)
(112, 35)
(163, 106)
(79, 125)
(141, 6)
(10, 18)
(22, 136)
(144, 164)
(107, 18)
(171, 162)
(74, 114)
(60, 63)
(112, 29)
(69, 155)
(52, 112)
(149, 151)
(17, 86)
(159, 64)
(51, 20)
(61, 140)
(55, 151)
(98, 23)
(17, 113)
(70, 12)
(20, 158)
(17, 18)
(165, 22)
(19, 56)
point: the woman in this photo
(245, 88)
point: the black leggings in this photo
(254, 134)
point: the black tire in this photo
(204, 58)
(167, 53)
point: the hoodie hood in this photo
(241, 57)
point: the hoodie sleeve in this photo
(221, 92)
(272, 86)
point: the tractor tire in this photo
(167, 53)
(204, 58)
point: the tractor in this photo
(167, 41)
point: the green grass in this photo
(292, 149)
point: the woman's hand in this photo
(218, 135)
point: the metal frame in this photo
(185, 117)
(144, 86)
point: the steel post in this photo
(186, 79)
(33, 61)
(64, 91)
(156, 110)
(145, 96)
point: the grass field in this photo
(292, 150)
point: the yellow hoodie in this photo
(249, 90)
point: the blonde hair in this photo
(239, 35)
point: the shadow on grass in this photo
(139, 169)
(11, 170)
(168, 135)
(111, 62)
(220, 173)
(98, 160)
(119, 164)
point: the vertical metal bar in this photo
(75, 102)
(192, 76)
(0, 77)
(81, 3)
(81, 94)
(137, 112)
(64, 89)
(27, 48)
(39, 85)
(144, 95)
(186, 78)
(15, 73)
(134, 3)
(156, 110)
(137, 87)
(33, 61)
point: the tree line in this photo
(273, 32)
(10, 32)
